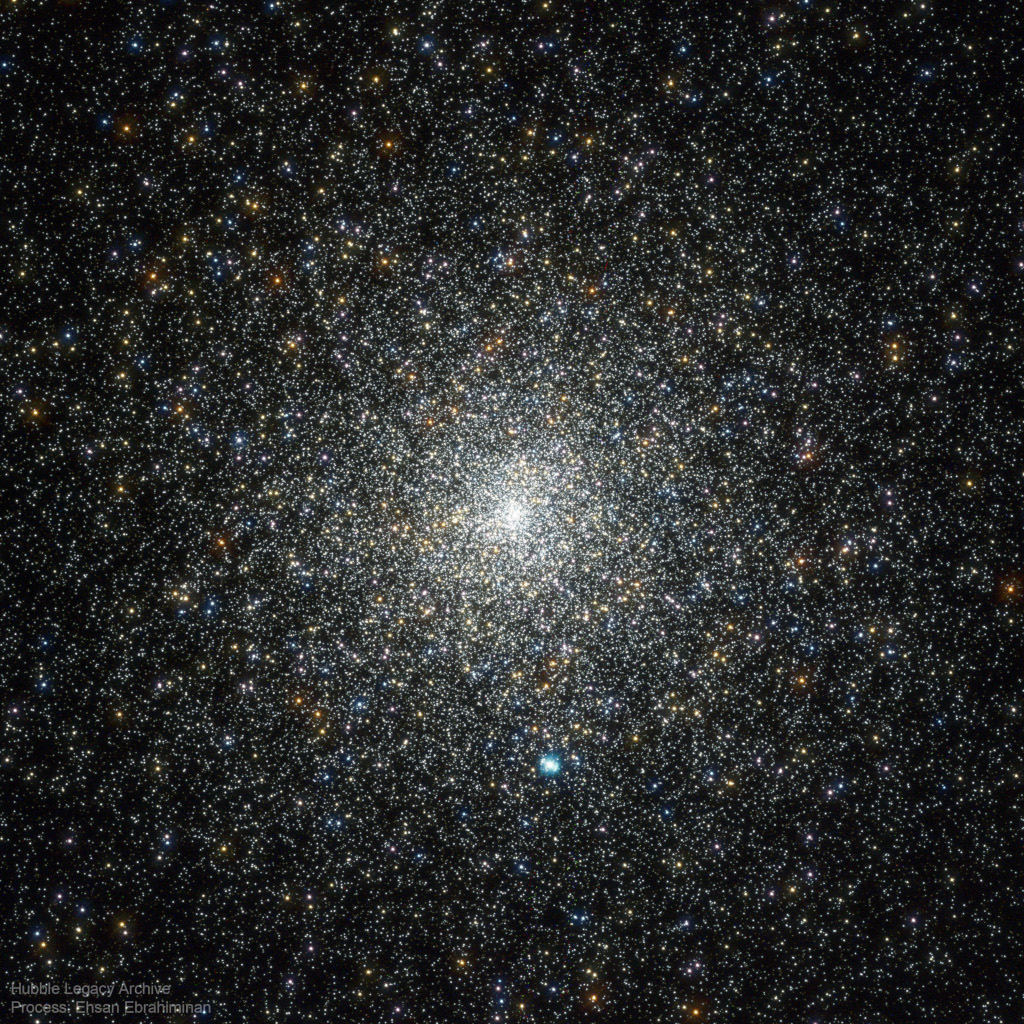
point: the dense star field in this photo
(514, 509)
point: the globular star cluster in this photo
(514, 508)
